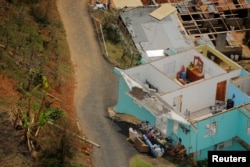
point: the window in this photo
(222, 145)
(210, 129)
(248, 127)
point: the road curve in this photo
(96, 87)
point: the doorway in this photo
(177, 103)
(221, 91)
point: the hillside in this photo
(33, 47)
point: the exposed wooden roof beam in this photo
(220, 32)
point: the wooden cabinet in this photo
(194, 74)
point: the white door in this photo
(177, 103)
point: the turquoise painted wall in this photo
(127, 105)
(170, 127)
(170, 133)
(204, 153)
(240, 98)
(242, 131)
(235, 146)
(243, 73)
(227, 128)
(190, 139)
(229, 125)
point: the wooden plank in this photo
(220, 32)
(163, 11)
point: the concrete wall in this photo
(203, 98)
(227, 128)
(229, 125)
(244, 85)
(224, 48)
(127, 105)
(240, 97)
(204, 153)
(153, 76)
(243, 129)
(183, 59)
(244, 73)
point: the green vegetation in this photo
(117, 45)
(137, 161)
(58, 150)
(32, 43)
(112, 33)
(34, 67)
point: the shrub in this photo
(112, 33)
(56, 114)
(40, 15)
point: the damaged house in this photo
(199, 96)
(188, 86)
(167, 28)
(154, 33)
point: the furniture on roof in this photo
(194, 74)
(195, 70)
(191, 73)
(181, 75)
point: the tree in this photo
(112, 33)
(35, 114)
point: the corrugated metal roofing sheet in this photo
(163, 11)
(140, 35)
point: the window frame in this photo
(211, 129)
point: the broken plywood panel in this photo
(163, 11)
(119, 4)
(123, 117)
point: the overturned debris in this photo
(123, 117)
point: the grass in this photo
(148, 161)
(115, 53)
(37, 48)
(34, 46)
(137, 161)
(122, 54)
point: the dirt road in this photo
(96, 87)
